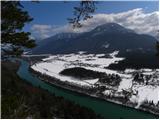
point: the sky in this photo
(50, 17)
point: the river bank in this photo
(91, 92)
(101, 107)
(20, 99)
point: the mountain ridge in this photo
(102, 39)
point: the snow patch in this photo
(145, 93)
(93, 81)
(126, 83)
(106, 46)
(53, 65)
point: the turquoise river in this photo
(104, 108)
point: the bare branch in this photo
(82, 12)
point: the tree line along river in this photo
(104, 108)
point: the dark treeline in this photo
(82, 73)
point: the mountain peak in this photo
(66, 35)
(112, 27)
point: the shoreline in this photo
(87, 92)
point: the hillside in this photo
(103, 39)
(139, 50)
(21, 100)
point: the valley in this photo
(80, 59)
(137, 88)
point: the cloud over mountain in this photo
(136, 19)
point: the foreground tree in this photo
(13, 18)
(82, 12)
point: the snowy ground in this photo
(54, 64)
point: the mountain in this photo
(104, 39)
(47, 44)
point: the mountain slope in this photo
(46, 45)
(103, 39)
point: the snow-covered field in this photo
(54, 64)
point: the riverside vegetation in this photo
(21, 100)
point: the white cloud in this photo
(136, 19)
(42, 31)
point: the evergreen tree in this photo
(13, 19)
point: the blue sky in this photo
(56, 13)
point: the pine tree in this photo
(13, 19)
